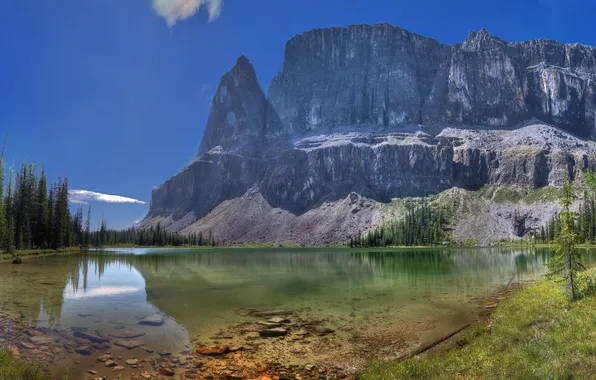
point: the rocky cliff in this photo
(382, 113)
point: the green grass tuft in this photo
(15, 369)
(537, 334)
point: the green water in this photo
(204, 291)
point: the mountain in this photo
(362, 115)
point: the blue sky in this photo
(109, 94)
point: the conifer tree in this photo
(567, 262)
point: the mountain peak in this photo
(481, 39)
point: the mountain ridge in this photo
(363, 109)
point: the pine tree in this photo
(41, 237)
(2, 205)
(87, 228)
(567, 262)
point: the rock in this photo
(41, 339)
(152, 320)
(146, 349)
(213, 350)
(91, 337)
(269, 325)
(14, 350)
(105, 358)
(164, 353)
(145, 375)
(269, 313)
(278, 320)
(274, 332)
(17, 260)
(126, 333)
(319, 330)
(84, 350)
(309, 367)
(236, 348)
(92, 372)
(118, 368)
(132, 361)
(166, 372)
(84, 315)
(110, 363)
(128, 344)
(28, 345)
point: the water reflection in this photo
(202, 289)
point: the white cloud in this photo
(86, 196)
(177, 10)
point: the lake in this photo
(341, 308)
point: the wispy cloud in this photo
(86, 196)
(177, 10)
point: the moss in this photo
(536, 334)
(12, 368)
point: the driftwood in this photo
(433, 344)
(509, 283)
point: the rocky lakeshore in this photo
(263, 344)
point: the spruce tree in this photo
(567, 262)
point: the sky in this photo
(115, 94)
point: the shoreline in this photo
(251, 355)
(38, 253)
(538, 313)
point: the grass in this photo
(537, 334)
(15, 369)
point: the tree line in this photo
(421, 225)
(35, 214)
(154, 236)
(584, 223)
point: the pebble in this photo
(132, 362)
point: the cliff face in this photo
(372, 110)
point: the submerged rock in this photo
(278, 320)
(84, 350)
(128, 344)
(91, 337)
(213, 350)
(152, 320)
(166, 372)
(126, 333)
(274, 332)
(319, 330)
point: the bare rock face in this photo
(384, 113)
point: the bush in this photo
(586, 283)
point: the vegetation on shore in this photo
(539, 333)
(34, 253)
(12, 368)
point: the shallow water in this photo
(203, 292)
